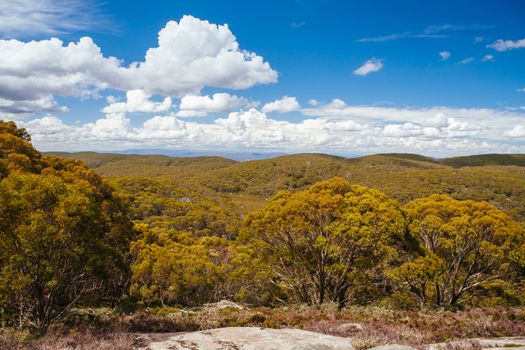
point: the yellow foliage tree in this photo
(464, 246)
(315, 240)
(63, 233)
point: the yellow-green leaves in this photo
(315, 239)
(63, 234)
(465, 245)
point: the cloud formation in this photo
(467, 60)
(506, 45)
(370, 66)
(445, 55)
(431, 32)
(334, 127)
(137, 101)
(49, 17)
(516, 131)
(286, 104)
(389, 37)
(190, 55)
(200, 106)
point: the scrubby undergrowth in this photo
(368, 326)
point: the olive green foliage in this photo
(307, 228)
(497, 179)
(465, 245)
(63, 234)
(164, 203)
(173, 268)
(319, 240)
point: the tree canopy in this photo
(464, 246)
(318, 240)
(63, 233)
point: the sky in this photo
(438, 78)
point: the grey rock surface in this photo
(393, 347)
(251, 338)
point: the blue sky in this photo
(442, 78)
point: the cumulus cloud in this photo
(286, 104)
(13, 109)
(445, 55)
(199, 106)
(370, 66)
(479, 121)
(194, 53)
(488, 58)
(334, 127)
(517, 131)
(190, 55)
(506, 45)
(35, 69)
(137, 101)
(450, 129)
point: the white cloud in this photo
(370, 66)
(286, 104)
(506, 45)
(455, 28)
(445, 55)
(489, 123)
(313, 102)
(26, 107)
(191, 54)
(517, 131)
(467, 60)
(389, 37)
(521, 90)
(137, 101)
(451, 129)
(488, 58)
(334, 128)
(35, 69)
(199, 106)
(431, 32)
(51, 17)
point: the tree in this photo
(16, 151)
(63, 234)
(464, 245)
(315, 240)
(174, 268)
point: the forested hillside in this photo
(498, 179)
(153, 233)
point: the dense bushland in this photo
(213, 229)
(64, 236)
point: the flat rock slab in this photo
(393, 347)
(251, 338)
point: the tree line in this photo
(69, 238)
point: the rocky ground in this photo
(256, 338)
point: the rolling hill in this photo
(498, 179)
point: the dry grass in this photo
(84, 341)
(368, 326)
